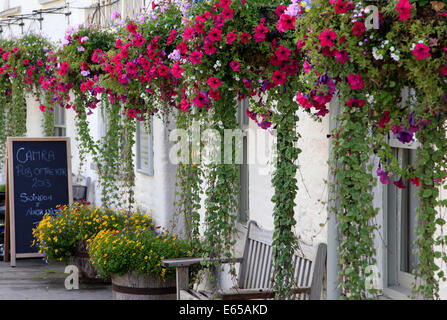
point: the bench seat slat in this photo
(247, 294)
(186, 262)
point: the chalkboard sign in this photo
(39, 172)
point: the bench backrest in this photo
(256, 270)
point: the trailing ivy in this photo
(431, 166)
(350, 164)
(221, 201)
(48, 117)
(285, 183)
(189, 181)
(109, 155)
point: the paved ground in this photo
(33, 279)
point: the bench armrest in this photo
(187, 262)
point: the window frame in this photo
(243, 214)
(60, 126)
(150, 170)
(397, 283)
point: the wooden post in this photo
(6, 234)
(182, 279)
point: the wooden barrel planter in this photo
(136, 286)
(81, 259)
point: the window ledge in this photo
(397, 293)
(146, 173)
(47, 1)
(11, 11)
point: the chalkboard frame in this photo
(11, 195)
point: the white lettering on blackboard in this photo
(23, 156)
(35, 212)
(30, 172)
(24, 197)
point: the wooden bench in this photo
(256, 268)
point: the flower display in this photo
(56, 236)
(118, 252)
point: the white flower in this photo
(376, 55)
(392, 49)
(370, 98)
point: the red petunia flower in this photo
(385, 119)
(209, 48)
(215, 94)
(214, 83)
(421, 51)
(343, 6)
(404, 8)
(245, 37)
(176, 70)
(131, 68)
(131, 28)
(354, 102)
(359, 28)
(231, 37)
(444, 71)
(188, 33)
(235, 65)
(285, 23)
(227, 13)
(279, 78)
(195, 57)
(280, 10)
(215, 34)
(283, 53)
(342, 56)
(356, 81)
(327, 37)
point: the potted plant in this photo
(63, 237)
(132, 258)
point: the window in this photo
(244, 203)
(145, 152)
(400, 209)
(60, 128)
